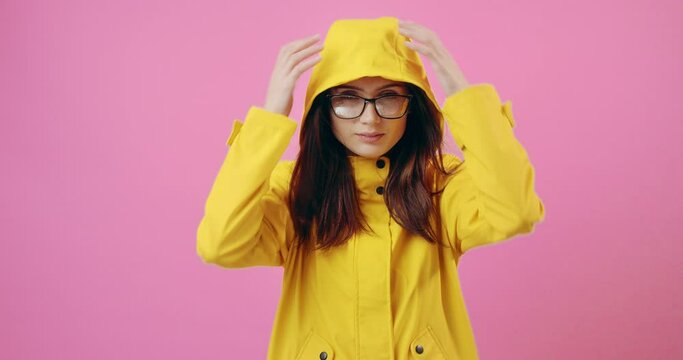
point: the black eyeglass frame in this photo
(365, 103)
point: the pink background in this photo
(114, 121)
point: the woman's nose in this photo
(369, 115)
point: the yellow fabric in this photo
(236, 125)
(382, 295)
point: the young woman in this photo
(371, 220)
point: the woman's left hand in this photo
(447, 70)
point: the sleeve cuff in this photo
(478, 102)
(475, 91)
(262, 117)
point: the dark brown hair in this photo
(323, 199)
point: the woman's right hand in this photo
(289, 66)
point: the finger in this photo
(415, 33)
(412, 32)
(418, 30)
(306, 52)
(409, 25)
(421, 48)
(427, 37)
(297, 45)
(301, 67)
(406, 22)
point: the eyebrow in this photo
(357, 88)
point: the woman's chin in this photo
(373, 152)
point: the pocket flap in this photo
(425, 346)
(315, 348)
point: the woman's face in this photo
(369, 135)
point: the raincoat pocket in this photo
(315, 348)
(426, 346)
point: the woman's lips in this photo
(370, 138)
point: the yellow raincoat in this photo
(388, 295)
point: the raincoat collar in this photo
(370, 176)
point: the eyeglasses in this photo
(392, 106)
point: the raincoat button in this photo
(380, 190)
(323, 355)
(380, 164)
(419, 349)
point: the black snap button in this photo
(380, 190)
(380, 164)
(419, 349)
(323, 355)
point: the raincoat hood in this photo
(355, 48)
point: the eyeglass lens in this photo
(387, 106)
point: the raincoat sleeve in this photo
(491, 196)
(246, 221)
